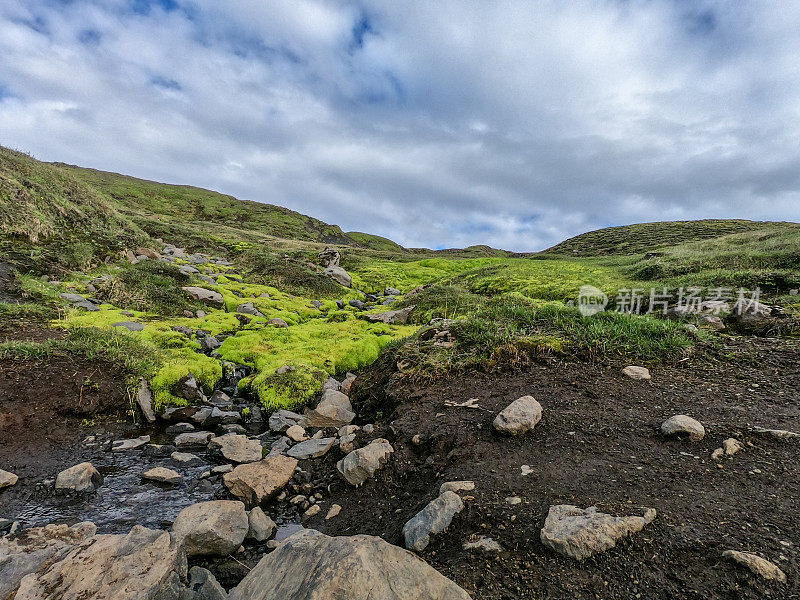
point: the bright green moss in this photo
(179, 363)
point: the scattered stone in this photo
(248, 309)
(185, 458)
(163, 475)
(193, 439)
(711, 321)
(214, 528)
(80, 478)
(257, 482)
(347, 443)
(236, 448)
(390, 291)
(683, 426)
(313, 448)
(457, 486)
(339, 275)
(334, 511)
(638, 373)
(179, 428)
(144, 398)
(780, 434)
(369, 428)
(312, 511)
(281, 420)
(432, 519)
(717, 454)
(514, 500)
(731, 446)
(760, 566)
(520, 416)
(311, 565)
(391, 316)
(525, 470)
(363, 463)
(225, 417)
(7, 479)
(277, 322)
(333, 410)
(204, 295)
(260, 526)
(579, 533)
(296, 433)
(483, 544)
(129, 325)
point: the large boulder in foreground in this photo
(580, 533)
(257, 482)
(144, 564)
(215, 528)
(520, 416)
(312, 566)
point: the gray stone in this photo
(329, 257)
(7, 479)
(204, 295)
(129, 325)
(236, 448)
(248, 309)
(193, 439)
(457, 486)
(683, 426)
(130, 444)
(204, 586)
(179, 428)
(778, 434)
(277, 322)
(433, 519)
(357, 304)
(390, 291)
(225, 417)
(186, 458)
(209, 343)
(339, 275)
(760, 566)
(579, 533)
(86, 305)
(144, 398)
(363, 463)
(638, 373)
(391, 316)
(483, 544)
(72, 297)
(215, 528)
(257, 482)
(261, 527)
(163, 475)
(333, 410)
(313, 448)
(331, 384)
(80, 478)
(520, 416)
(312, 566)
(347, 443)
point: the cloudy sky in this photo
(436, 124)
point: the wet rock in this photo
(236, 448)
(203, 586)
(225, 417)
(310, 565)
(483, 544)
(193, 439)
(129, 325)
(158, 450)
(7, 479)
(144, 398)
(433, 519)
(163, 475)
(457, 486)
(313, 448)
(333, 410)
(579, 533)
(683, 426)
(214, 528)
(391, 316)
(257, 482)
(339, 275)
(80, 478)
(179, 428)
(638, 373)
(760, 566)
(363, 463)
(186, 459)
(520, 416)
(260, 526)
(204, 295)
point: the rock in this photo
(760, 566)
(281, 420)
(579, 533)
(185, 458)
(130, 444)
(483, 544)
(144, 398)
(129, 325)
(285, 369)
(331, 384)
(214, 528)
(86, 305)
(277, 322)
(236, 448)
(391, 316)
(333, 410)
(339, 275)
(204, 295)
(163, 475)
(179, 428)
(390, 291)
(779, 434)
(520, 416)
(312, 566)
(348, 383)
(80, 478)
(361, 464)
(257, 482)
(248, 309)
(158, 450)
(754, 315)
(313, 448)
(347, 443)
(260, 526)
(711, 321)
(148, 252)
(638, 373)
(357, 304)
(193, 439)
(457, 486)
(348, 430)
(296, 433)
(220, 399)
(683, 426)
(433, 519)
(329, 257)
(514, 500)
(209, 343)
(187, 331)
(334, 511)
(731, 446)
(190, 389)
(280, 446)
(225, 417)
(204, 586)
(312, 511)
(7, 479)
(72, 297)
(221, 469)
(144, 564)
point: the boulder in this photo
(281, 420)
(214, 528)
(391, 316)
(580, 533)
(683, 426)
(357, 304)
(760, 566)
(520, 416)
(204, 295)
(313, 448)
(236, 448)
(329, 257)
(333, 410)
(144, 398)
(434, 518)
(637, 373)
(163, 475)
(312, 566)
(260, 526)
(7, 479)
(80, 478)
(256, 482)
(363, 463)
(339, 275)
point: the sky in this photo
(436, 124)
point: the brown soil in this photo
(599, 444)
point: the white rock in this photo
(163, 475)
(433, 519)
(683, 426)
(483, 544)
(759, 566)
(638, 373)
(520, 416)
(7, 479)
(457, 486)
(363, 463)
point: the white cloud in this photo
(438, 124)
